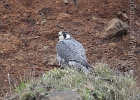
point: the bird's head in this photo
(63, 35)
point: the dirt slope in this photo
(27, 26)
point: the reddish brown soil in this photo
(26, 26)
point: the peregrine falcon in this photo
(71, 53)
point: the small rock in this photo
(137, 23)
(94, 18)
(115, 28)
(37, 23)
(113, 44)
(62, 95)
(125, 16)
(131, 71)
(45, 49)
(121, 14)
(44, 11)
(66, 1)
(43, 21)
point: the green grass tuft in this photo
(102, 84)
(27, 96)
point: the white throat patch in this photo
(63, 36)
(60, 36)
(67, 36)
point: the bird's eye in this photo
(58, 34)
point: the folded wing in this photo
(71, 50)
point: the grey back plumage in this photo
(71, 50)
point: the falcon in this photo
(71, 53)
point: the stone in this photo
(115, 28)
(138, 23)
(122, 14)
(66, 1)
(45, 49)
(62, 95)
(113, 45)
(44, 11)
(43, 21)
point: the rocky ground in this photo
(28, 35)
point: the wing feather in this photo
(70, 49)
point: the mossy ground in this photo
(101, 84)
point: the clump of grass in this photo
(102, 84)
(28, 96)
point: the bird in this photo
(71, 52)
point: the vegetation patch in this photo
(101, 84)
